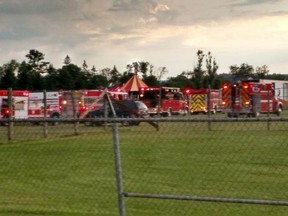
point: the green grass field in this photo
(66, 174)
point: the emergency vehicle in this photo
(36, 105)
(249, 98)
(171, 100)
(19, 104)
(204, 100)
(71, 103)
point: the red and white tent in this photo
(133, 84)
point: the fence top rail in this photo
(152, 119)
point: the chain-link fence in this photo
(181, 165)
(56, 161)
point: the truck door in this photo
(256, 104)
(20, 108)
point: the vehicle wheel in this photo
(256, 114)
(55, 117)
(5, 124)
(169, 113)
(232, 115)
(280, 109)
(126, 123)
(214, 110)
(186, 111)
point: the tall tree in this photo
(180, 81)
(262, 71)
(71, 77)
(36, 67)
(93, 70)
(8, 79)
(114, 76)
(36, 61)
(67, 60)
(151, 81)
(245, 71)
(125, 76)
(24, 77)
(141, 67)
(52, 79)
(211, 67)
(161, 72)
(85, 67)
(144, 68)
(198, 72)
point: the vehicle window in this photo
(141, 105)
(32, 104)
(131, 104)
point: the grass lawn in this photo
(69, 175)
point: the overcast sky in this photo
(166, 33)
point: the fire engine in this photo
(204, 100)
(19, 104)
(249, 98)
(36, 104)
(171, 100)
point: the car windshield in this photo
(141, 105)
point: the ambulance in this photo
(19, 104)
(36, 105)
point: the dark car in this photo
(123, 109)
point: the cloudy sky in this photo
(166, 33)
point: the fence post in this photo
(268, 113)
(118, 168)
(45, 114)
(10, 116)
(117, 161)
(105, 109)
(209, 108)
(74, 113)
(159, 106)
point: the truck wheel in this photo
(214, 110)
(5, 124)
(55, 117)
(169, 113)
(256, 114)
(279, 111)
(186, 111)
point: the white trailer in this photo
(280, 86)
(36, 104)
(19, 104)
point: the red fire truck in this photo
(249, 98)
(19, 104)
(204, 100)
(36, 104)
(171, 100)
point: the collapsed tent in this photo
(133, 84)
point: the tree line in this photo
(37, 74)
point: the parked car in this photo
(125, 109)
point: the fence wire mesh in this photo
(187, 166)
